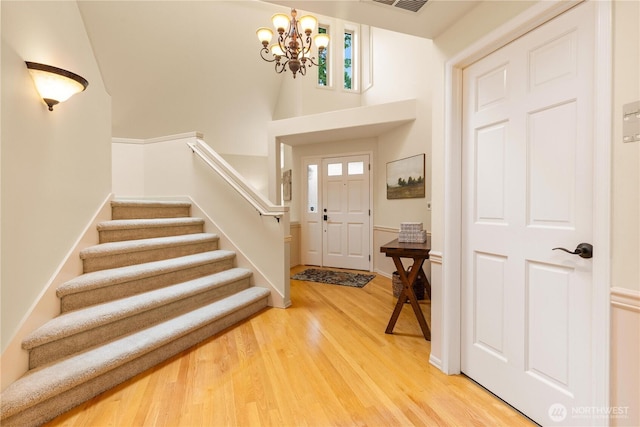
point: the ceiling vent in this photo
(410, 5)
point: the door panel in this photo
(552, 178)
(527, 188)
(489, 310)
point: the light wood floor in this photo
(325, 361)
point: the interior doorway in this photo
(336, 212)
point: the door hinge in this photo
(369, 257)
(369, 212)
(369, 165)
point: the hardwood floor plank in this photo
(325, 361)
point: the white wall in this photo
(224, 90)
(625, 215)
(56, 166)
(395, 79)
(253, 168)
(625, 267)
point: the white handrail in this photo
(235, 180)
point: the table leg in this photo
(427, 284)
(407, 292)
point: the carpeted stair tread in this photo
(103, 278)
(77, 321)
(129, 246)
(48, 381)
(129, 252)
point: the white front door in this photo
(527, 189)
(346, 212)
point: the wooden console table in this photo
(419, 252)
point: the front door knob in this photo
(584, 250)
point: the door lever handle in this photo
(584, 250)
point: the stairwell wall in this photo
(56, 166)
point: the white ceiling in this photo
(429, 22)
(181, 66)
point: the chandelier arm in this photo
(308, 44)
(282, 43)
(264, 51)
(281, 67)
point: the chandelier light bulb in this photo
(264, 35)
(308, 24)
(276, 50)
(322, 41)
(280, 22)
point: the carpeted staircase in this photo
(155, 285)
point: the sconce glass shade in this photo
(54, 84)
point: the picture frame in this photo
(405, 178)
(286, 185)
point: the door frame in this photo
(451, 258)
(303, 186)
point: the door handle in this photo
(584, 250)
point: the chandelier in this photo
(293, 48)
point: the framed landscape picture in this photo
(405, 178)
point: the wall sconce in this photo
(54, 84)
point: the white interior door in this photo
(527, 188)
(346, 212)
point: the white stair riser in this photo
(140, 212)
(139, 257)
(120, 235)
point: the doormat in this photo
(332, 277)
